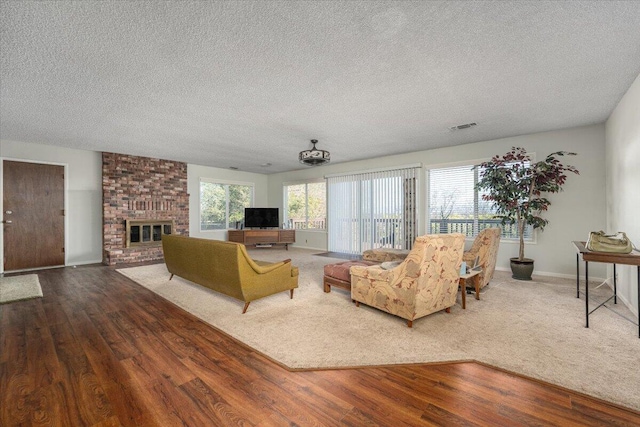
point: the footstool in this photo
(384, 254)
(338, 274)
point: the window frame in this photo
(285, 203)
(225, 183)
(470, 163)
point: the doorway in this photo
(33, 215)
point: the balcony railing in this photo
(312, 224)
(369, 233)
(466, 227)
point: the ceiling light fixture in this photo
(314, 157)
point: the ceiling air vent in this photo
(464, 126)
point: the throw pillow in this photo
(389, 265)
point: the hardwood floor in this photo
(99, 350)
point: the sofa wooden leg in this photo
(171, 277)
(246, 305)
(448, 309)
(327, 287)
(357, 303)
(410, 323)
(291, 291)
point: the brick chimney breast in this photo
(140, 188)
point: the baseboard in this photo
(628, 305)
(563, 276)
(97, 261)
(622, 298)
(308, 247)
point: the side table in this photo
(608, 258)
(475, 275)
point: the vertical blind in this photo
(372, 210)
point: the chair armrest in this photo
(375, 272)
(263, 268)
(469, 256)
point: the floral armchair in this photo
(485, 247)
(425, 282)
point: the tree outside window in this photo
(306, 206)
(222, 205)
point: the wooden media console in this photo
(263, 237)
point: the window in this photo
(306, 206)
(222, 204)
(373, 210)
(456, 207)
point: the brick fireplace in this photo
(140, 188)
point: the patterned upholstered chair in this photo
(485, 247)
(425, 282)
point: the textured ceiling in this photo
(245, 83)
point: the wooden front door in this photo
(33, 215)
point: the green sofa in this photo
(226, 267)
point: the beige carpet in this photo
(18, 288)
(534, 328)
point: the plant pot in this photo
(521, 269)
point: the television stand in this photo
(263, 237)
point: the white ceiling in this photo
(245, 83)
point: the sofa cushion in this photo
(389, 265)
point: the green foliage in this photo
(213, 204)
(307, 203)
(296, 201)
(239, 198)
(516, 186)
(316, 202)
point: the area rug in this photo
(533, 328)
(18, 288)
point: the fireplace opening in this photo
(147, 232)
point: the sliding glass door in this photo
(372, 210)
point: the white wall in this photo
(195, 172)
(574, 212)
(83, 196)
(623, 183)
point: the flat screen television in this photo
(261, 217)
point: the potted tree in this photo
(515, 185)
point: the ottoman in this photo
(338, 274)
(385, 254)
